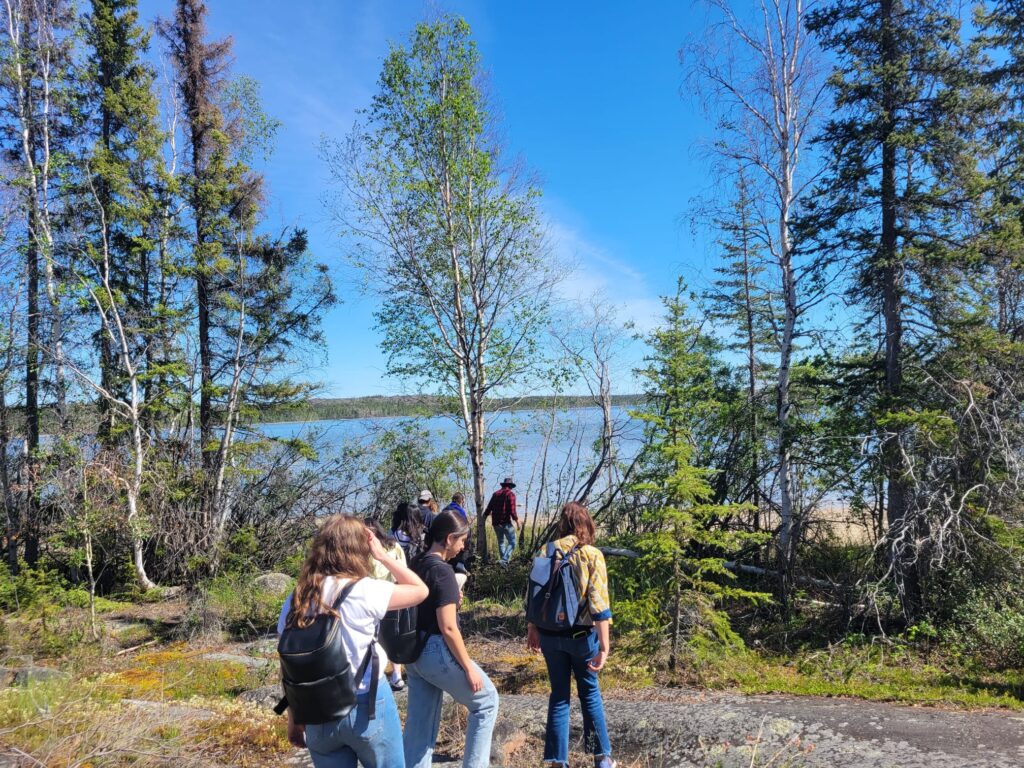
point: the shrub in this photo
(504, 583)
(233, 603)
(991, 629)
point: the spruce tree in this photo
(738, 300)
(119, 191)
(688, 536)
(892, 210)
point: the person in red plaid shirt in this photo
(502, 509)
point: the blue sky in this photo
(590, 98)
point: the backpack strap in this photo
(372, 660)
(345, 591)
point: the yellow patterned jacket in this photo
(592, 578)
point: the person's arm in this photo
(515, 510)
(532, 637)
(488, 508)
(296, 732)
(604, 645)
(600, 606)
(447, 622)
(409, 588)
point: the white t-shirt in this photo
(362, 610)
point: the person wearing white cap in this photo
(428, 508)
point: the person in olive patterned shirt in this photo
(580, 651)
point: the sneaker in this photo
(605, 762)
(397, 685)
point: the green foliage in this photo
(989, 628)
(409, 459)
(687, 538)
(235, 604)
(31, 589)
(504, 583)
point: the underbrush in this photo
(234, 604)
(815, 652)
(892, 670)
(45, 616)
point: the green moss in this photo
(875, 673)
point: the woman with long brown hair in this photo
(580, 651)
(341, 554)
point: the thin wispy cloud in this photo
(596, 271)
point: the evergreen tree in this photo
(737, 298)
(894, 209)
(689, 537)
(219, 193)
(122, 177)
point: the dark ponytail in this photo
(445, 524)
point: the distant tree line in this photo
(315, 408)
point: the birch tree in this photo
(447, 236)
(35, 69)
(764, 85)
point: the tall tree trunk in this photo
(476, 458)
(33, 362)
(788, 512)
(754, 437)
(901, 550)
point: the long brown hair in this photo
(340, 549)
(576, 521)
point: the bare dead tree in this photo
(592, 341)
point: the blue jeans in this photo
(567, 657)
(374, 743)
(506, 541)
(429, 678)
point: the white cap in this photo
(424, 496)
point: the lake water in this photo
(516, 439)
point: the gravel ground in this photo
(734, 731)
(700, 730)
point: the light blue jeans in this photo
(431, 676)
(506, 541)
(374, 743)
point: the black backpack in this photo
(399, 638)
(318, 681)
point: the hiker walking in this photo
(459, 562)
(456, 505)
(380, 571)
(580, 650)
(407, 528)
(427, 508)
(444, 665)
(502, 509)
(338, 716)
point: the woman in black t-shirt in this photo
(445, 666)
